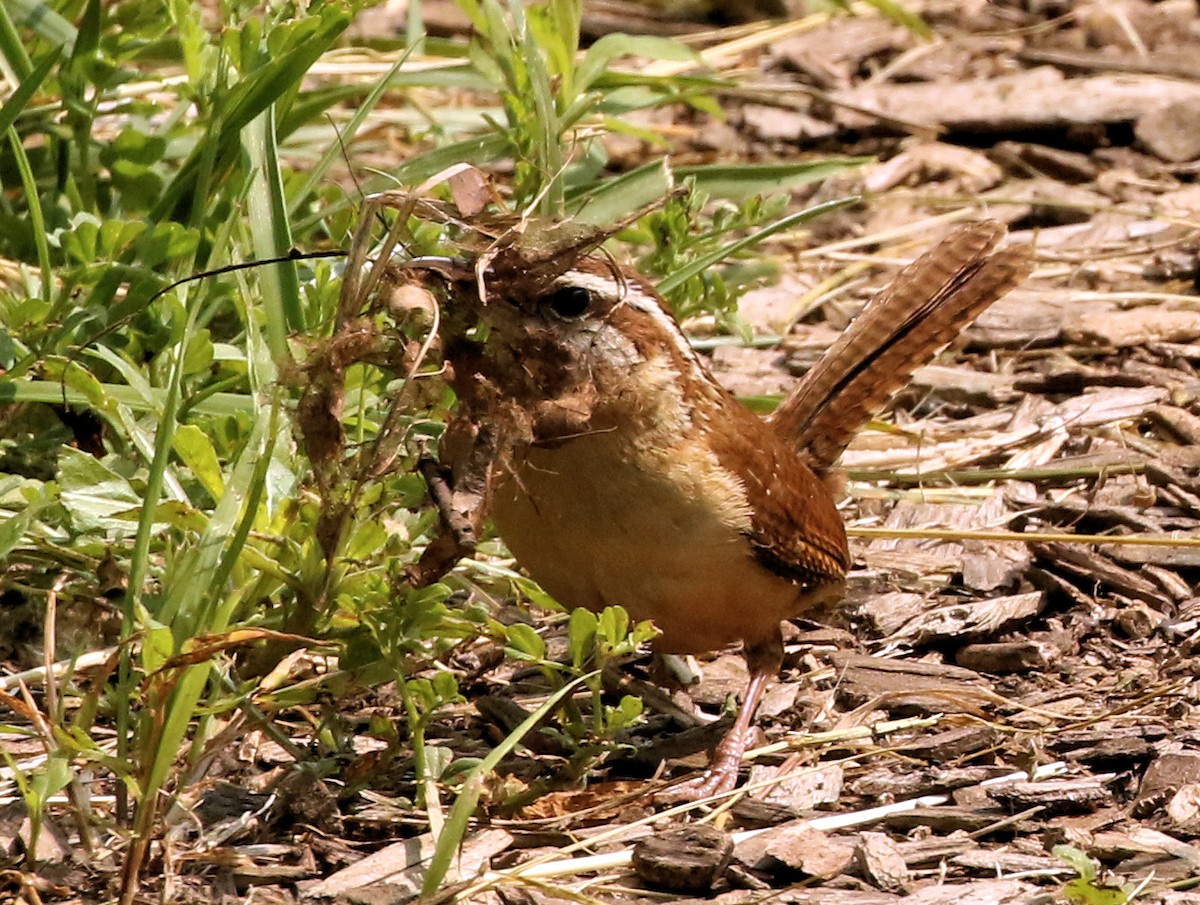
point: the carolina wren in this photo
(618, 471)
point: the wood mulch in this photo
(978, 700)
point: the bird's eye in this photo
(569, 302)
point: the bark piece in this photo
(832, 54)
(907, 686)
(1170, 132)
(1003, 862)
(1056, 796)
(800, 895)
(1057, 163)
(686, 859)
(880, 861)
(1007, 657)
(1164, 778)
(801, 792)
(1135, 327)
(971, 619)
(1137, 622)
(1025, 318)
(885, 613)
(1115, 754)
(1094, 567)
(1115, 845)
(1170, 557)
(948, 819)
(951, 744)
(965, 169)
(797, 847)
(1183, 810)
(984, 892)
(1183, 425)
(964, 385)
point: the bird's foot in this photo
(711, 782)
(719, 779)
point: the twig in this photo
(37, 675)
(1031, 537)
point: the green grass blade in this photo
(271, 236)
(34, 14)
(266, 85)
(683, 274)
(252, 96)
(899, 14)
(335, 149)
(37, 220)
(14, 58)
(737, 182)
(52, 392)
(628, 192)
(17, 102)
(468, 798)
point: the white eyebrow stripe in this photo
(654, 308)
(607, 287)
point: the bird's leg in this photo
(763, 659)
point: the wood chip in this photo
(1056, 796)
(1005, 862)
(971, 619)
(947, 819)
(802, 790)
(1170, 132)
(987, 892)
(906, 686)
(880, 862)
(797, 847)
(1007, 657)
(1097, 568)
(395, 873)
(684, 859)
(950, 745)
(1164, 778)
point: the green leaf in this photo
(193, 446)
(616, 198)
(259, 90)
(158, 646)
(92, 492)
(613, 625)
(1083, 892)
(581, 635)
(87, 39)
(625, 714)
(524, 642)
(13, 529)
(901, 15)
(445, 686)
(613, 47)
(1077, 860)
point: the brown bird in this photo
(618, 471)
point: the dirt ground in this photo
(987, 719)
